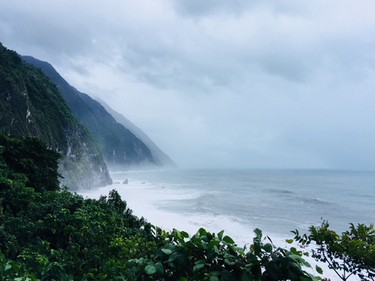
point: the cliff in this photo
(31, 105)
(120, 146)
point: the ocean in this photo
(238, 201)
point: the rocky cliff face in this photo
(31, 105)
(121, 147)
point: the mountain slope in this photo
(31, 105)
(157, 153)
(120, 146)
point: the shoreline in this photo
(149, 207)
(145, 199)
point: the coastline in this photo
(146, 200)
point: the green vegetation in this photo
(118, 145)
(52, 234)
(30, 160)
(48, 233)
(31, 105)
(351, 253)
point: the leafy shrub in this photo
(207, 256)
(351, 253)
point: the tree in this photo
(351, 253)
(31, 157)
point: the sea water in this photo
(238, 201)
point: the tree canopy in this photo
(48, 233)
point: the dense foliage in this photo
(31, 105)
(351, 253)
(119, 146)
(207, 256)
(29, 158)
(48, 233)
(52, 234)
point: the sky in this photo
(219, 83)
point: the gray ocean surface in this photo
(276, 201)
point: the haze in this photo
(221, 84)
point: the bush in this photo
(351, 253)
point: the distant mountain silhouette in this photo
(159, 156)
(121, 146)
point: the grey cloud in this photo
(287, 67)
(202, 8)
(196, 8)
(37, 30)
(232, 83)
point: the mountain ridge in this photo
(160, 155)
(31, 105)
(121, 147)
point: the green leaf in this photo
(229, 261)
(268, 248)
(176, 258)
(197, 267)
(166, 251)
(150, 269)
(289, 241)
(159, 268)
(319, 269)
(228, 240)
(295, 251)
(202, 232)
(200, 262)
(258, 233)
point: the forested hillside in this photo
(121, 148)
(31, 105)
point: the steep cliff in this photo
(31, 105)
(121, 146)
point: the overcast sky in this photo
(219, 83)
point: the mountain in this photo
(160, 156)
(120, 146)
(31, 105)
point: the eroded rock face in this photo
(31, 105)
(83, 166)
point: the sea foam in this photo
(168, 207)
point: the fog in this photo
(223, 84)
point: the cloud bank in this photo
(276, 84)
